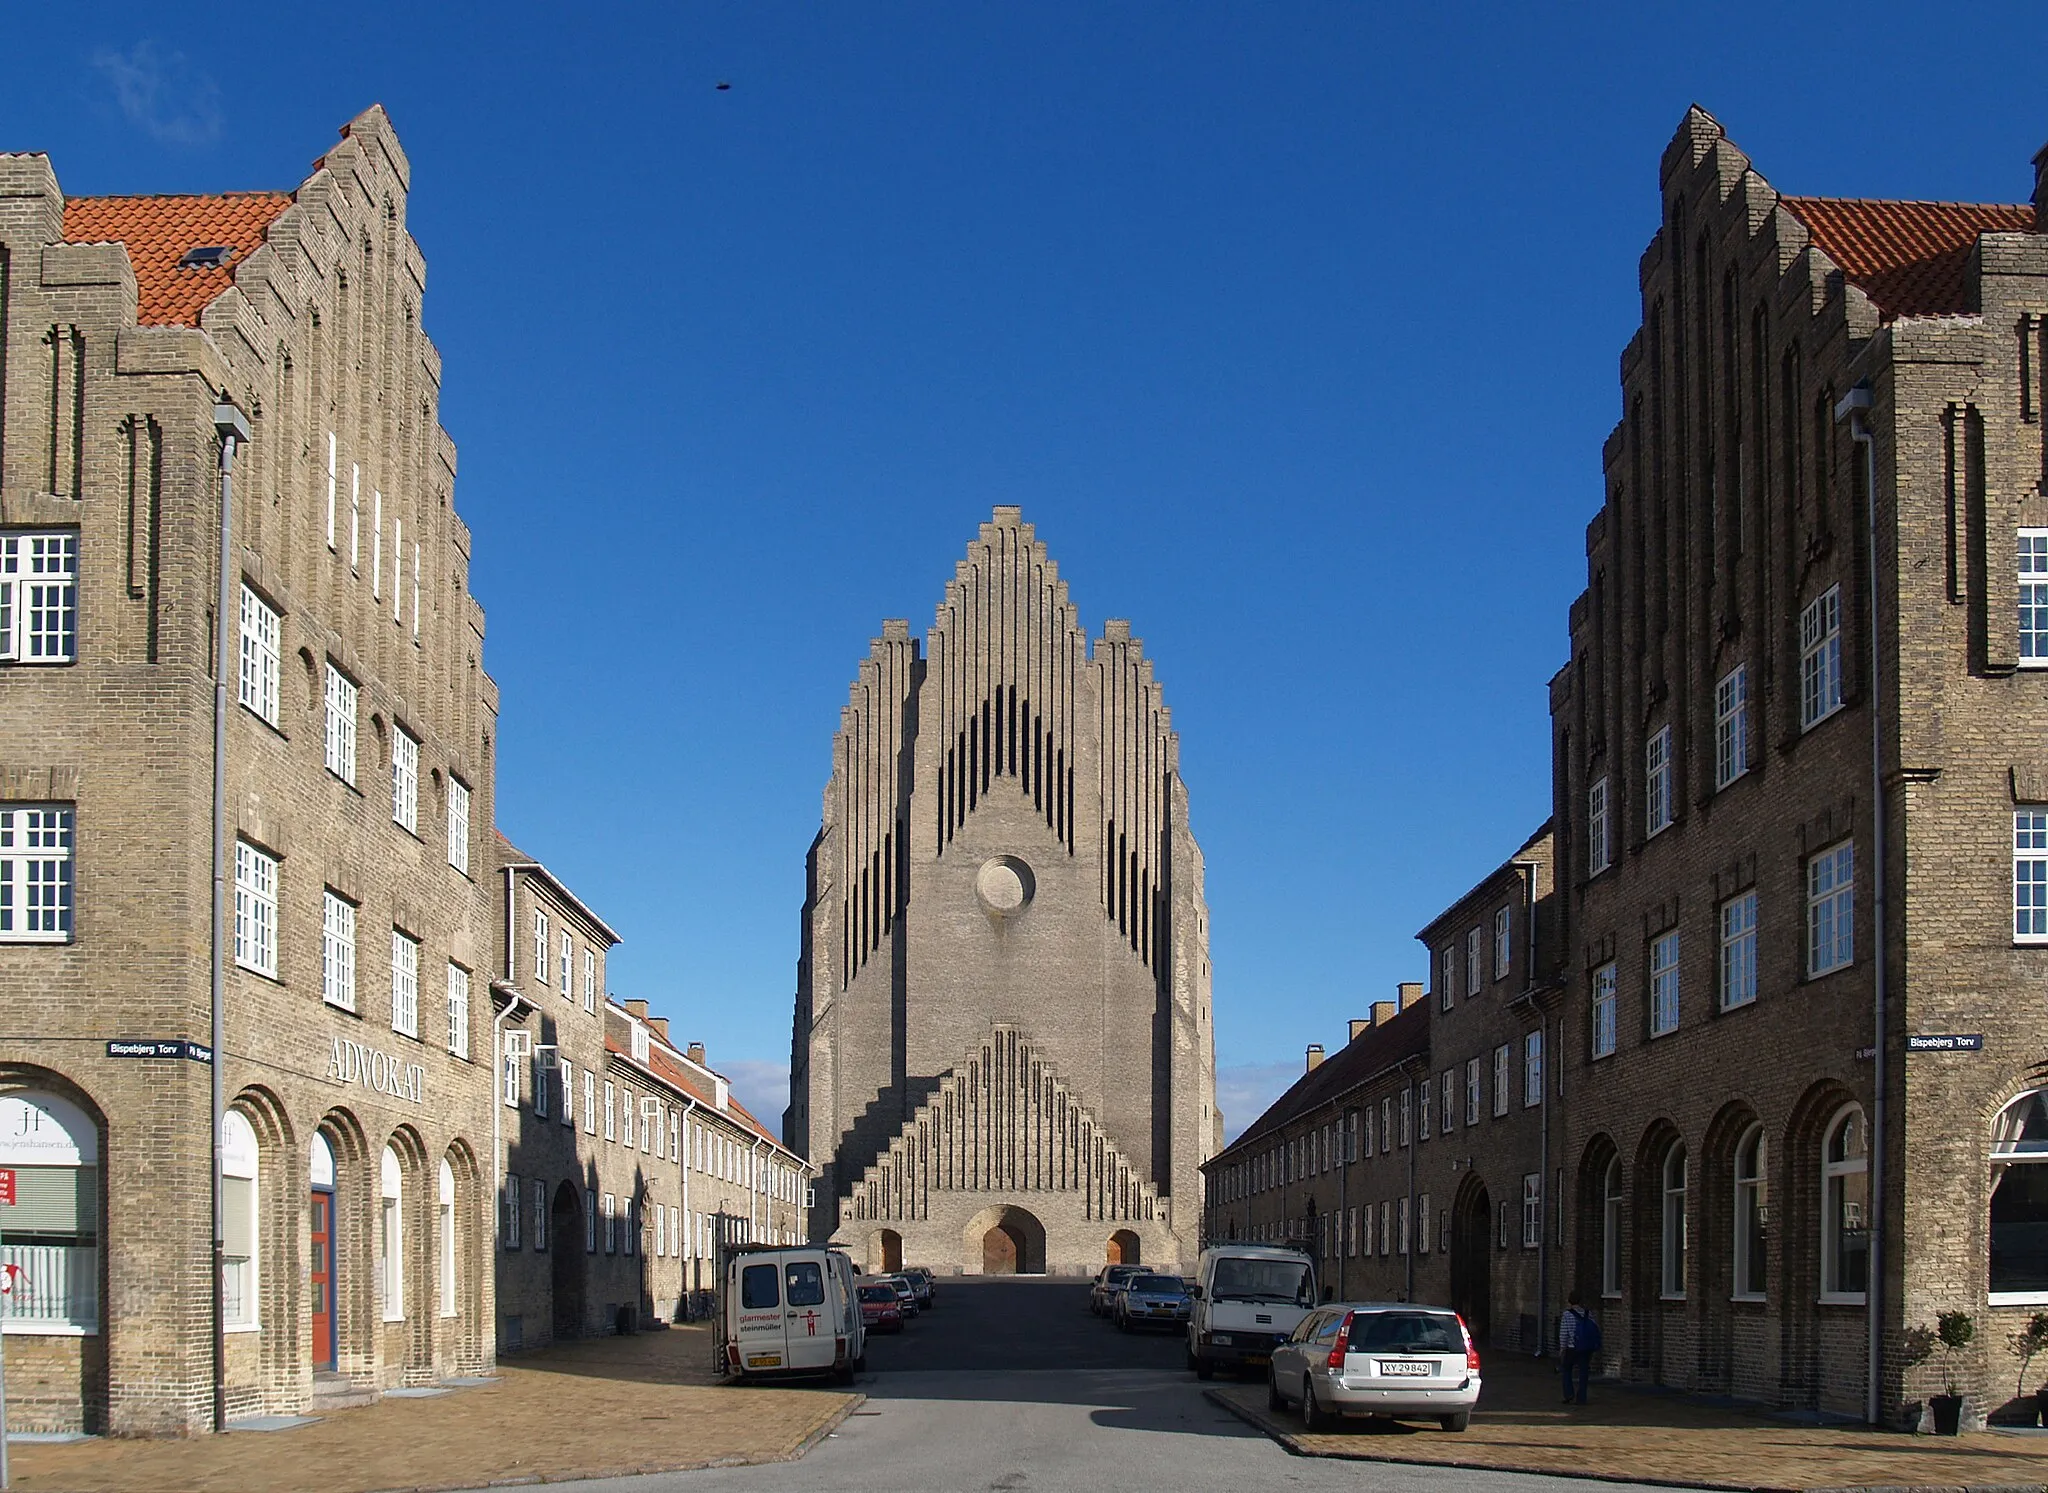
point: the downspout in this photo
(233, 428)
(1855, 408)
(1414, 1218)
(753, 1189)
(1551, 1058)
(689, 1219)
(498, 1061)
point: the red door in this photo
(323, 1279)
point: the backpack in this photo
(1587, 1339)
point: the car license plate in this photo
(1256, 1360)
(1398, 1368)
(764, 1360)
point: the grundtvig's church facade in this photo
(1003, 1057)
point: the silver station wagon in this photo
(1386, 1358)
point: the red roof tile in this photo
(1908, 257)
(159, 230)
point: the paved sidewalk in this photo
(645, 1403)
(1648, 1437)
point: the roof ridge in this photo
(181, 196)
(1905, 201)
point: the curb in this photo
(796, 1453)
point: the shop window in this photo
(238, 1208)
(52, 1232)
(1845, 1207)
(2019, 1202)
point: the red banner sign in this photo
(6, 1186)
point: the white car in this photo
(1390, 1358)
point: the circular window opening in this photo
(1005, 885)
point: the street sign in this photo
(160, 1047)
(6, 1186)
(1945, 1042)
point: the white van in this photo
(1247, 1299)
(788, 1312)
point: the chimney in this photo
(1357, 1027)
(1315, 1056)
(695, 1053)
(659, 1026)
(1410, 992)
(1383, 1012)
(638, 1008)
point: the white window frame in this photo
(589, 978)
(458, 1010)
(568, 1070)
(2030, 874)
(1831, 909)
(590, 1102)
(2031, 562)
(543, 1082)
(39, 596)
(1834, 1175)
(590, 1220)
(1671, 1244)
(391, 1238)
(568, 964)
(450, 1282)
(515, 1049)
(1447, 1101)
(1820, 658)
(257, 689)
(1752, 1204)
(1731, 726)
(511, 1214)
(537, 1191)
(1532, 1210)
(1606, 1004)
(405, 779)
(1447, 980)
(38, 886)
(611, 1111)
(540, 946)
(405, 984)
(1475, 1099)
(1664, 992)
(1610, 1229)
(458, 824)
(340, 734)
(1503, 941)
(1599, 853)
(1501, 1059)
(1738, 950)
(1475, 974)
(1532, 1068)
(1657, 783)
(241, 1253)
(338, 951)
(255, 910)
(611, 1223)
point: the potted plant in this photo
(1954, 1331)
(2026, 1344)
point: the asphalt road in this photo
(1012, 1387)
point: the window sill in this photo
(1669, 1031)
(1841, 1298)
(339, 1009)
(2030, 940)
(268, 724)
(1610, 1295)
(391, 1320)
(234, 1327)
(29, 1327)
(45, 940)
(1823, 718)
(2018, 1298)
(1731, 1006)
(261, 974)
(1749, 1299)
(1668, 1297)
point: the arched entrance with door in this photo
(885, 1252)
(1123, 1248)
(1472, 1259)
(565, 1235)
(1004, 1240)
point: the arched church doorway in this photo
(565, 1236)
(1472, 1260)
(885, 1252)
(1004, 1240)
(1123, 1248)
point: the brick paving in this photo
(1643, 1436)
(646, 1403)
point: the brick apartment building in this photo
(359, 778)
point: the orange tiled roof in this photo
(1908, 257)
(159, 230)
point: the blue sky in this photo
(1294, 329)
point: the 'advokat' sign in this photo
(352, 1062)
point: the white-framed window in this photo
(1845, 1207)
(640, 1042)
(1738, 951)
(2017, 1260)
(590, 1103)
(458, 1010)
(1401, 1217)
(1820, 658)
(2030, 875)
(258, 687)
(1503, 942)
(1474, 1100)
(1604, 989)
(1386, 1133)
(1752, 1217)
(517, 1047)
(338, 951)
(444, 1230)
(537, 1190)
(1830, 909)
(39, 597)
(568, 1074)
(1422, 1223)
(1657, 782)
(1672, 1253)
(53, 1230)
(590, 1220)
(1474, 976)
(458, 824)
(611, 1223)
(589, 979)
(391, 1238)
(1501, 1059)
(1447, 980)
(1532, 1068)
(1532, 1209)
(660, 1231)
(630, 1226)
(1664, 984)
(341, 725)
(1386, 1227)
(1425, 1106)
(540, 948)
(513, 1215)
(567, 963)
(1610, 1228)
(239, 1258)
(1449, 1100)
(611, 1111)
(1731, 726)
(255, 909)
(1407, 1115)
(405, 780)
(405, 984)
(543, 1081)
(2033, 598)
(36, 850)
(1598, 854)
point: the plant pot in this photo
(1948, 1414)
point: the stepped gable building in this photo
(359, 746)
(1002, 1057)
(1772, 1185)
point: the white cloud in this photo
(762, 1087)
(1244, 1090)
(161, 93)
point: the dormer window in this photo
(207, 257)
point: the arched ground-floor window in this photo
(2017, 1262)
(52, 1232)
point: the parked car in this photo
(1248, 1297)
(1107, 1280)
(1153, 1301)
(879, 1307)
(786, 1312)
(921, 1283)
(905, 1293)
(1394, 1359)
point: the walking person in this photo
(1578, 1339)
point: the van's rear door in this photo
(758, 1326)
(807, 1317)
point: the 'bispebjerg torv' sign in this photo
(352, 1062)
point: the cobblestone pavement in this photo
(1645, 1436)
(645, 1403)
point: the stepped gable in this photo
(1002, 1122)
(1910, 258)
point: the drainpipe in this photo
(1414, 1217)
(1545, 1227)
(233, 428)
(689, 1219)
(497, 1055)
(753, 1189)
(1855, 408)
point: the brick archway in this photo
(1003, 1240)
